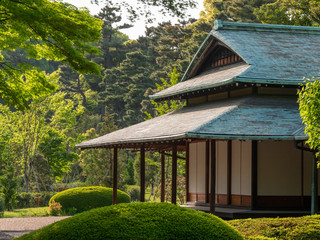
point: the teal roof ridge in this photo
(259, 27)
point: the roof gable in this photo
(276, 54)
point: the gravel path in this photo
(15, 227)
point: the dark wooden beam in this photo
(174, 174)
(254, 174)
(115, 175)
(170, 155)
(142, 173)
(207, 161)
(187, 171)
(213, 178)
(229, 171)
(163, 180)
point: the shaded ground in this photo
(15, 227)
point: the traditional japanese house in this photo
(241, 129)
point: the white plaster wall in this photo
(278, 169)
(246, 160)
(236, 168)
(221, 167)
(197, 167)
(241, 168)
(201, 167)
(192, 168)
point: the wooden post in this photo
(213, 178)
(163, 180)
(254, 174)
(314, 198)
(187, 171)
(207, 156)
(142, 173)
(174, 174)
(115, 175)
(229, 172)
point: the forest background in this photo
(38, 135)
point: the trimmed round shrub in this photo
(133, 191)
(76, 200)
(138, 221)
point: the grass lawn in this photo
(307, 227)
(26, 212)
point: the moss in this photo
(138, 221)
(81, 199)
(307, 227)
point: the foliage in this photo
(27, 200)
(146, 8)
(61, 32)
(9, 186)
(138, 221)
(231, 10)
(166, 106)
(97, 163)
(307, 227)
(27, 212)
(291, 12)
(29, 134)
(86, 198)
(129, 172)
(309, 106)
(54, 208)
(2, 208)
(133, 191)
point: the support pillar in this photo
(229, 172)
(207, 177)
(314, 198)
(254, 174)
(213, 178)
(115, 175)
(187, 171)
(174, 174)
(142, 174)
(163, 180)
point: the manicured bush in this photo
(133, 191)
(81, 199)
(307, 227)
(138, 221)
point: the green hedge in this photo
(307, 227)
(76, 200)
(138, 221)
(27, 200)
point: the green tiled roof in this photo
(255, 117)
(277, 54)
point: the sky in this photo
(139, 27)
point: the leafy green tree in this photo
(309, 106)
(44, 29)
(9, 185)
(164, 107)
(28, 129)
(232, 10)
(55, 149)
(291, 12)
(146, 8)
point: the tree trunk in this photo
(36, 179)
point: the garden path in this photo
(15, 227)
